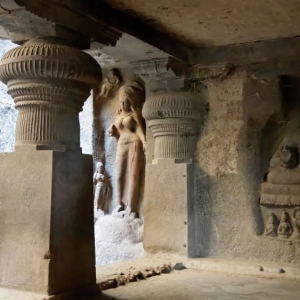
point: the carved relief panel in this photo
(122, 101)
(280, 192)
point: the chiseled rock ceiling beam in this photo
(17, 24)
(84, 21)
(102, 23)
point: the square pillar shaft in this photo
(46, 220)
(168, 191)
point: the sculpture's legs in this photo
(134, 173)
(121, 161)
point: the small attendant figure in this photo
(111, 82)
(271, 228)
(101, 187)
(297, 218)
(285, 228)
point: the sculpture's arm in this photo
(113, 131)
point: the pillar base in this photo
(46, 220)
(169, 186)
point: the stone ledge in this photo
(280, 195)
(121, 273)
(244, 267)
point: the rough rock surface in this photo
(121, 273)
(8, 116)
(118, 238)
(86, 126)
(8, 113)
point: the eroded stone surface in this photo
(118, 238)
(8, 113)
(193, 285)
(243, 130)
(203, 24)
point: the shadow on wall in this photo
(260, 134)
(268, 123)
(247, 121)
(283, 132)
(199, 203)
(200, 225)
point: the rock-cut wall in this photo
(248, 118)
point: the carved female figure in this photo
(129, 129)
(101, 187)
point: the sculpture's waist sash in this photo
(129, 141)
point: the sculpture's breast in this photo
(128, 123)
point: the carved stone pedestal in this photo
(46, 195)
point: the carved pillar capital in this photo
(174, 114)
(160, 74)
(49, 82)
(174, 119)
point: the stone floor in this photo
(190, 285)
(204, 279)
(196, 285)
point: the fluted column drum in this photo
(174, 119)
(49, 82)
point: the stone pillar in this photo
(46, 212)
(174, 117)
(49, 83)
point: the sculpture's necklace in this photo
(126, 115)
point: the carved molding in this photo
(168, 73)
(159, 67)
(174, 119)
(17, 22)
(73, 18)
(200, 73)
(49, 83)
(279, 194)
